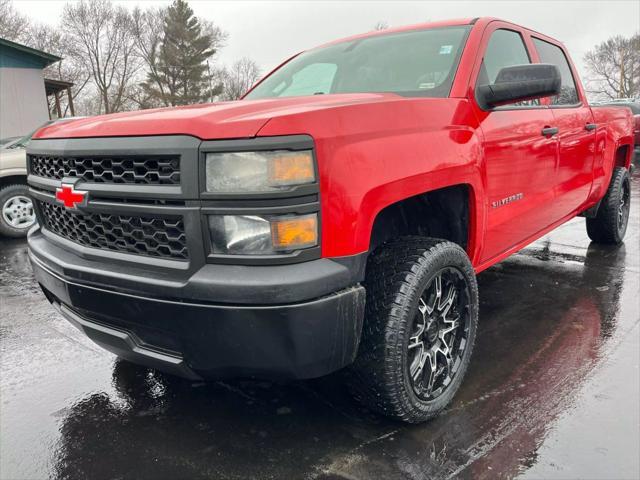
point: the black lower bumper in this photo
(192, 339)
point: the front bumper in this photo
(203, 327)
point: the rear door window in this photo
(553, 54)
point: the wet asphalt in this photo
(553, 390)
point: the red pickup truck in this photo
(334, 217)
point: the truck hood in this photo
(238, 119)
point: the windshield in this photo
(416, 63)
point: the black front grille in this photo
(155, 237)
(140, 170)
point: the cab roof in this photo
(405, 28)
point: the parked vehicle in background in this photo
(4, 142)
(16, 208)
(634, 106)
(335, 217)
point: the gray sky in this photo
(271, 31)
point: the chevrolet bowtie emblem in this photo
(70, 197)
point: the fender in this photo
(383, 196)
(374, 154)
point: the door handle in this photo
(549, 131)
(590, 126)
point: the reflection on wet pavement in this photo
(552, 392)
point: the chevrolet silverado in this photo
(335, 217)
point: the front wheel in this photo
(16, 211)
(419, 330)
(610, 223)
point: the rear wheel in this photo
(16, 211)
(610, 224)
(419, 331)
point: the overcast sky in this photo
(271, 31)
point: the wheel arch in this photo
(451, 212)
(13, 180)
(623, 155)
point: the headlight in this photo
(260, 235)
(258, 171)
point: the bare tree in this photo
(12, 23)
(148, 28)
(100, 37)
(52, 40)
(614, 68)
(381, 25)
(238, 79)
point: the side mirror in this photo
(519, 83)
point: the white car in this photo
(16, 208)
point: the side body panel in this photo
(574, 176)
(576, 139)
(519, 163)
(585, 158)
(519, 166)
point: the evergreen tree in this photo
(181, 75)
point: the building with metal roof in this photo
(24, 90)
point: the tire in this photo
(401, 285)
(610, 223)
(16, 207)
